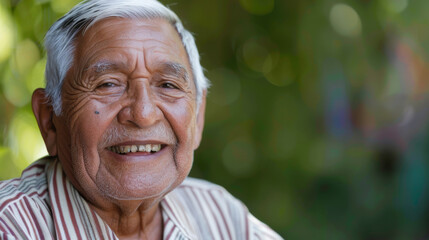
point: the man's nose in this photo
(141, 108)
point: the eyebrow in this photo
(174, 68)
(103, 66)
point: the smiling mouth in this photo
(146, 148)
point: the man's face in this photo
(129, 123)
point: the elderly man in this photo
(121, 115)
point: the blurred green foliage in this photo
(317, 118)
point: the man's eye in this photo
(169, 85)
(107, 85)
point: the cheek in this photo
(182, 119)
(87, 126)
(90, 121)
(87, 130)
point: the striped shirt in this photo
(43, 204)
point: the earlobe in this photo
(200, 121)
(44, 114)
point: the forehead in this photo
(130, 41)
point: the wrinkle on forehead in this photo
(131, 31)
(152, 28)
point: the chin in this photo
(132, 188)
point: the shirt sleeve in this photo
(23, 220)
(12, 227)
(5, 236)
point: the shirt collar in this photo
(177, 220)
(74, 219)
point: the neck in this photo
(133, 219)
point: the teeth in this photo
(148, 148)
(136, 148)
(156, 148)
(127, 149)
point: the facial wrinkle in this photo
(76, 107)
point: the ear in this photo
(44, 114)
(200, 121)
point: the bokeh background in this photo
(317, 118)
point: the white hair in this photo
(60, 45)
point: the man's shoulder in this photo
(205, 209)
(30, 186)
(215, 209)
(25, 210)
